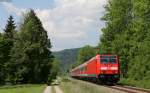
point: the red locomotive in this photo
(102, 67)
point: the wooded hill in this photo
(66, 58)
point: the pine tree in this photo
(31, 55)
(10, 28)
(2, 60)
(9, 32)
(6, 45)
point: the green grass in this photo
(134, 83)
(22, 89)
(78, 86)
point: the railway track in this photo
(123, 88)
(129, 89)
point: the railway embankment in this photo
(79, 86)
(141, 84)
(70, 85)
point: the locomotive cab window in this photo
(108, 59)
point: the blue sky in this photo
(69, 23)
(23, 4)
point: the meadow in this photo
(29, 88)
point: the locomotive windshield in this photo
(108, 59)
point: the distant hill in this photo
(66, 57)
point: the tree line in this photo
(25, 55)
(127, 34)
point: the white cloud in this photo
(11, 8)
(71, 23)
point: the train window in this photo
(104, 60)
(112, 60)
(108, 59)
(83, 68)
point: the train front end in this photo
(109, 68)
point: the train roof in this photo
(85, 63)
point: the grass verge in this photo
(29, 88)
(78, 86)
(134, 83)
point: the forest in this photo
(127, 34)
(25, 55)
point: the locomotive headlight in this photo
(113, 68)
(103, 68)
